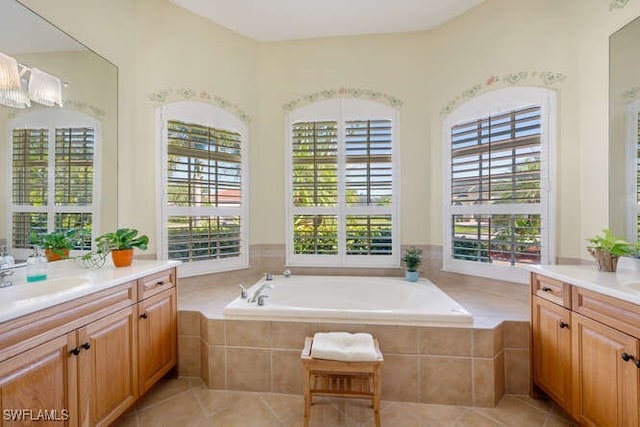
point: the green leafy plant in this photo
(123, 238)
(412, 258)
(612, 244)
(58, 242)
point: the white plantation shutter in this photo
(342, 207)
(53, 182)
(496, 211)
(203, 207)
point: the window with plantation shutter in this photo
(204, 209)
(53, 183)
(632, 171)
(342, 210)
(497, 214)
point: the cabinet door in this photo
(157, 337)
(107, 367)
(551, 350)
(38, 387)
(605, 385)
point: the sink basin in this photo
(49, 287)
(634, 284)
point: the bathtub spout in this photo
(259, 291)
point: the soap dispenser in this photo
(36, 266)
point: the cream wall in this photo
(159, 46)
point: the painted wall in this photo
(158, 46)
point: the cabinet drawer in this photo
(156, 283)
(551, 289)
(619, 314)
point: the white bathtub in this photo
(371, 299)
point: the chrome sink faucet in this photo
(258, 292)
(4, 273)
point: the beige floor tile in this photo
(323, 414)
(473, 419)
(553, 421)
(181, 410)
(213, 401)
(284, 406)
(249, 412)
(512, 411)
(130, 420)
(167, 388)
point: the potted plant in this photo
(57, 244)
(412, 258)
(607, 248)
(121, 243)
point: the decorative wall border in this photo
(164, 96)
(617, 4)
(631, 94)
(342, 92)
(81, 106)
(539, 78)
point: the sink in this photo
(43, 288)
(633, 284)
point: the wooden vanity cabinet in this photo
(551, 350)
(590, 367)
(90, 356)
(157, 328)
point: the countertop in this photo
(623, 284)
(67, 281)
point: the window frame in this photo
(343, 110)
(632, 169)
(215, 117)
(52, 119)
(489, 104)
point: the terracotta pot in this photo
(56, 254)
(122, 258)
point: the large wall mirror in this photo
(59, 164)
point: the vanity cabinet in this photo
(89, 359)
(585, 353)
(157, 328)
(551, 350)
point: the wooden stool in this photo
(337, 378)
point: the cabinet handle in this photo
(75, 351)
(86, 345)
(563, 325)
(626, 357)
(143, 315)
(546, 289)
(160, 282)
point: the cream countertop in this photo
(67, 281)
(623, 284)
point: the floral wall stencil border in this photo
(536, 78)
(341, 93)
(617, 4)
(70, 104)
(164, 96)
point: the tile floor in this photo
(186, 402)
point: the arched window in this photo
(203, 212)
(342, 185)
(497, 187)
(54, 177)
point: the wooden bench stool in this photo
(345, 379)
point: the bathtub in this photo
(348, 298)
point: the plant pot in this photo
(122, 257)
(412, 276)
(605, 260)
(56, 254)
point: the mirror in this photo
(89, 100)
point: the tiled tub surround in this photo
(471, 365)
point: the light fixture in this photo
(11, 92)
(44, 88)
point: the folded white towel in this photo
(343, 346)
